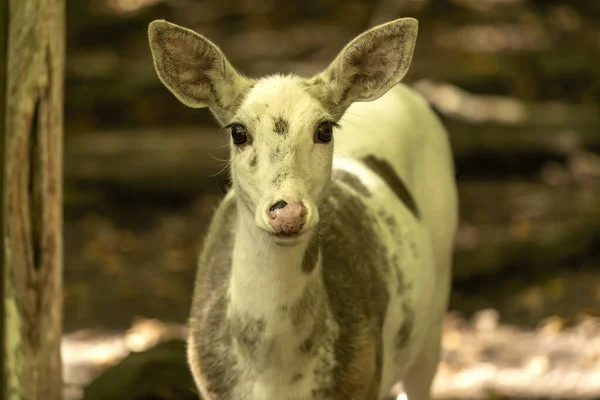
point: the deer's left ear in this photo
(195, 70)
(368, 66)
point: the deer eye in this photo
(324, 132)
(238, 134)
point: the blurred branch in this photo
(538, 242)
(503, 131)
(482, 46)
(383, 11)
(458, 103)
(185, 159)
(540, 255)
(179, 158)
(388, 10)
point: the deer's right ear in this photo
(195, 70)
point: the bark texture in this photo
(3, 43)
(33, 199)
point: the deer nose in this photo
(287, 218)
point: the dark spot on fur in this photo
(403, 335)
(333, 74)
(401, 285)
(296, 378)
(253, 344)
(306, 306)
(254, 161)
(323, 393)
(280, 126)
(248, 331)
(284, 309)
(275, 154)
(311, 256)
(280, 176)
(306, 346)
(351, 180)
(389, 220)
(389, 175)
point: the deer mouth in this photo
(290, 239)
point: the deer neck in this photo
(267, 277)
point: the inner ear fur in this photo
(195, 70)
(368, 66)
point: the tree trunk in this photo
(3, 43)
(33, 199)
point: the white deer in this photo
(325, 272)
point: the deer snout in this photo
(287, 218)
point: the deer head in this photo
(281, 127)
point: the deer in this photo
(325, 272)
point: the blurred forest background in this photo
(517, 83)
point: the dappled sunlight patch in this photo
(86, 353)
(552, 361)
(128, 6)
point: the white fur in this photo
(257, 287)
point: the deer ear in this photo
(195, 70)
(368, 66)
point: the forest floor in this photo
(482, 359)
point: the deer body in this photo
(325, 272)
